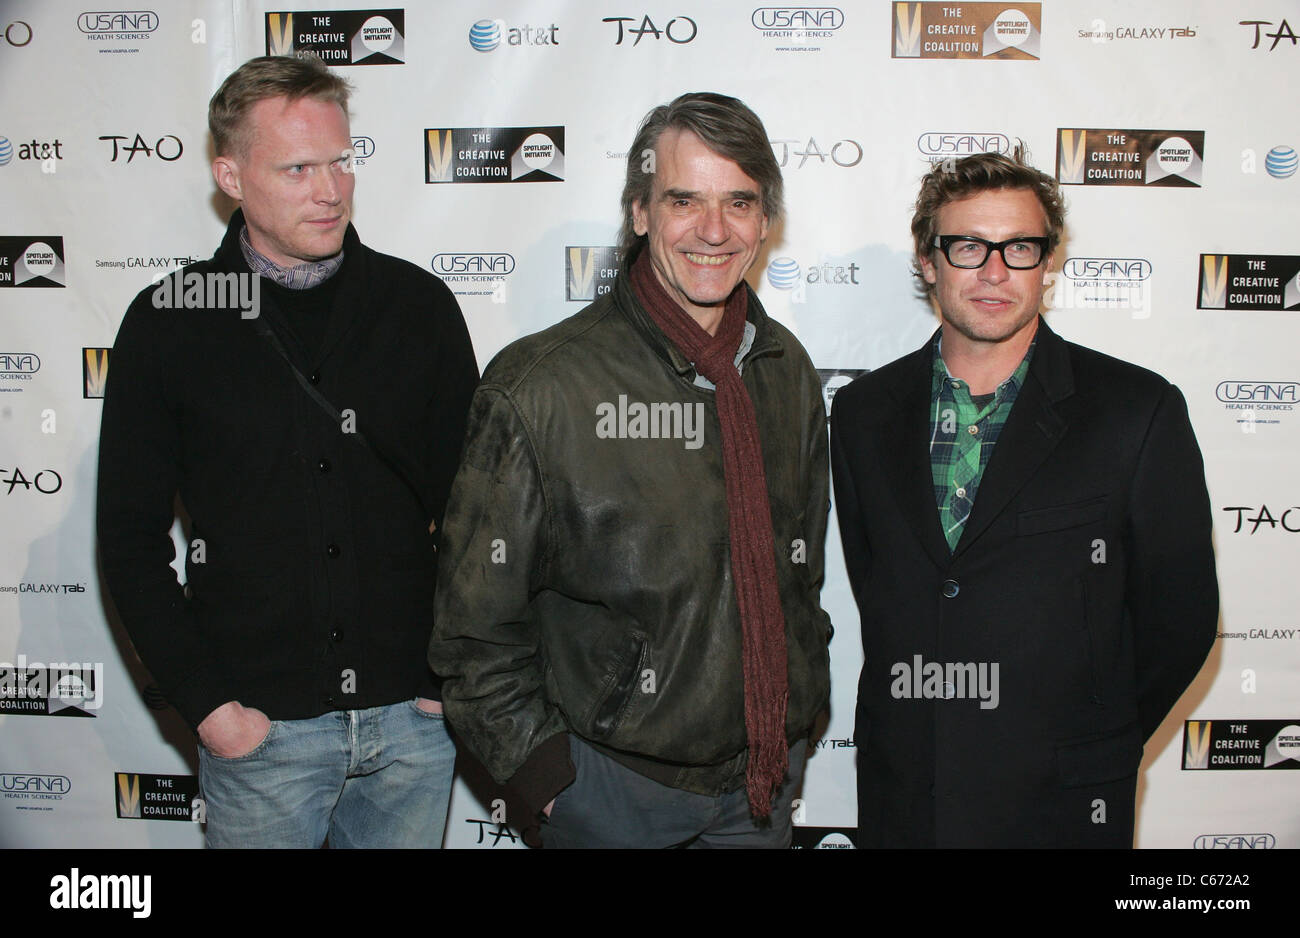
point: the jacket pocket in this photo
(1105, 759)
(621, 677)
(1061, 517)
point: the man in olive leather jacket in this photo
(593, 640)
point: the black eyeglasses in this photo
(968, 252)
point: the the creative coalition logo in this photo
(31, 792)
(94, 372)
(18, 34)
(494, 154)
(1241, 744)
(473, 274)
(940, 30)
(842, 153)
(939, 145)
(339, 37)
(589, 272)
(1281, 162)
(1235, 842)
(486, 35)
(158, 797)
(1261, 27)
(1258, 402)
(1274, 521)
(833, 379)
(16, 369)
(1101, 283)
(797, 29)
(1249, 281)
(62, 689)
(31, 261)
(678, 30)
(167, 147)
(1103, 157)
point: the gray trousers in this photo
(609, 805)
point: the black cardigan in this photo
(312, 587)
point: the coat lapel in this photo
(1032, 431)
(906, 454)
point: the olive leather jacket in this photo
(585, 574)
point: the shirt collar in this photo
(299, 277)
(1011, 385)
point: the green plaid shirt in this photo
(962, 435)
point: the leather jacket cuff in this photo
(546, 772)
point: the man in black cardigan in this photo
(1027, 534)
(306, 397)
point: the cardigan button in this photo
(332, 551)
(323, 465)
(950, 589)
(314, 377)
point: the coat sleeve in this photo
(848, 511)
(486, 644)
(445, 415)
(1172, 593)
(139, 467)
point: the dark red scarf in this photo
(753, 553)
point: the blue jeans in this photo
(609, 806)
(357, 778)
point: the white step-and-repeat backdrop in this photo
(1171, 124)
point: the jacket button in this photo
(189, 591)
(329, 701)
(314, 377)
(332, 551)
(323, 465)
(336, 635)
(950, 588)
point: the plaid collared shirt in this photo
(962, 436)
(298, 277)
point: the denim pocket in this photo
(257, 750)
(423, 713)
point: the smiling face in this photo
(293, 180)
(991, 304)
(704, 225)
